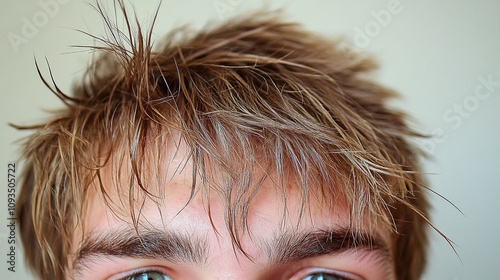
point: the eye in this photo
(148, 275)
(323, 276)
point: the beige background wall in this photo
(442, 55)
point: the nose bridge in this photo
(234, 274)
(229, 278)
(231, 264)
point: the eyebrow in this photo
(289, 247)
(293, 246)
(142, 244)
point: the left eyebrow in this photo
(294, 246)
(144, 243)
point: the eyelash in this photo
(319, 270)
(342, 277)
(144, 270)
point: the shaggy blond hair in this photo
(250, 95)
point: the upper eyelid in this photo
(343, 263)
(307, 271)
(130, 273)
(301, 269)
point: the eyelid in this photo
(304, 272)
(130, 273)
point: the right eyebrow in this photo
(147, 244)
(293, 246)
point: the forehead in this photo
(169, 194)
(166, 191)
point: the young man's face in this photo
(180, 241)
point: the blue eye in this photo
(152, 275)
(323, 276)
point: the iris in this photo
(322, 276)
(149, 276)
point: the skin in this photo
(222, 260)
